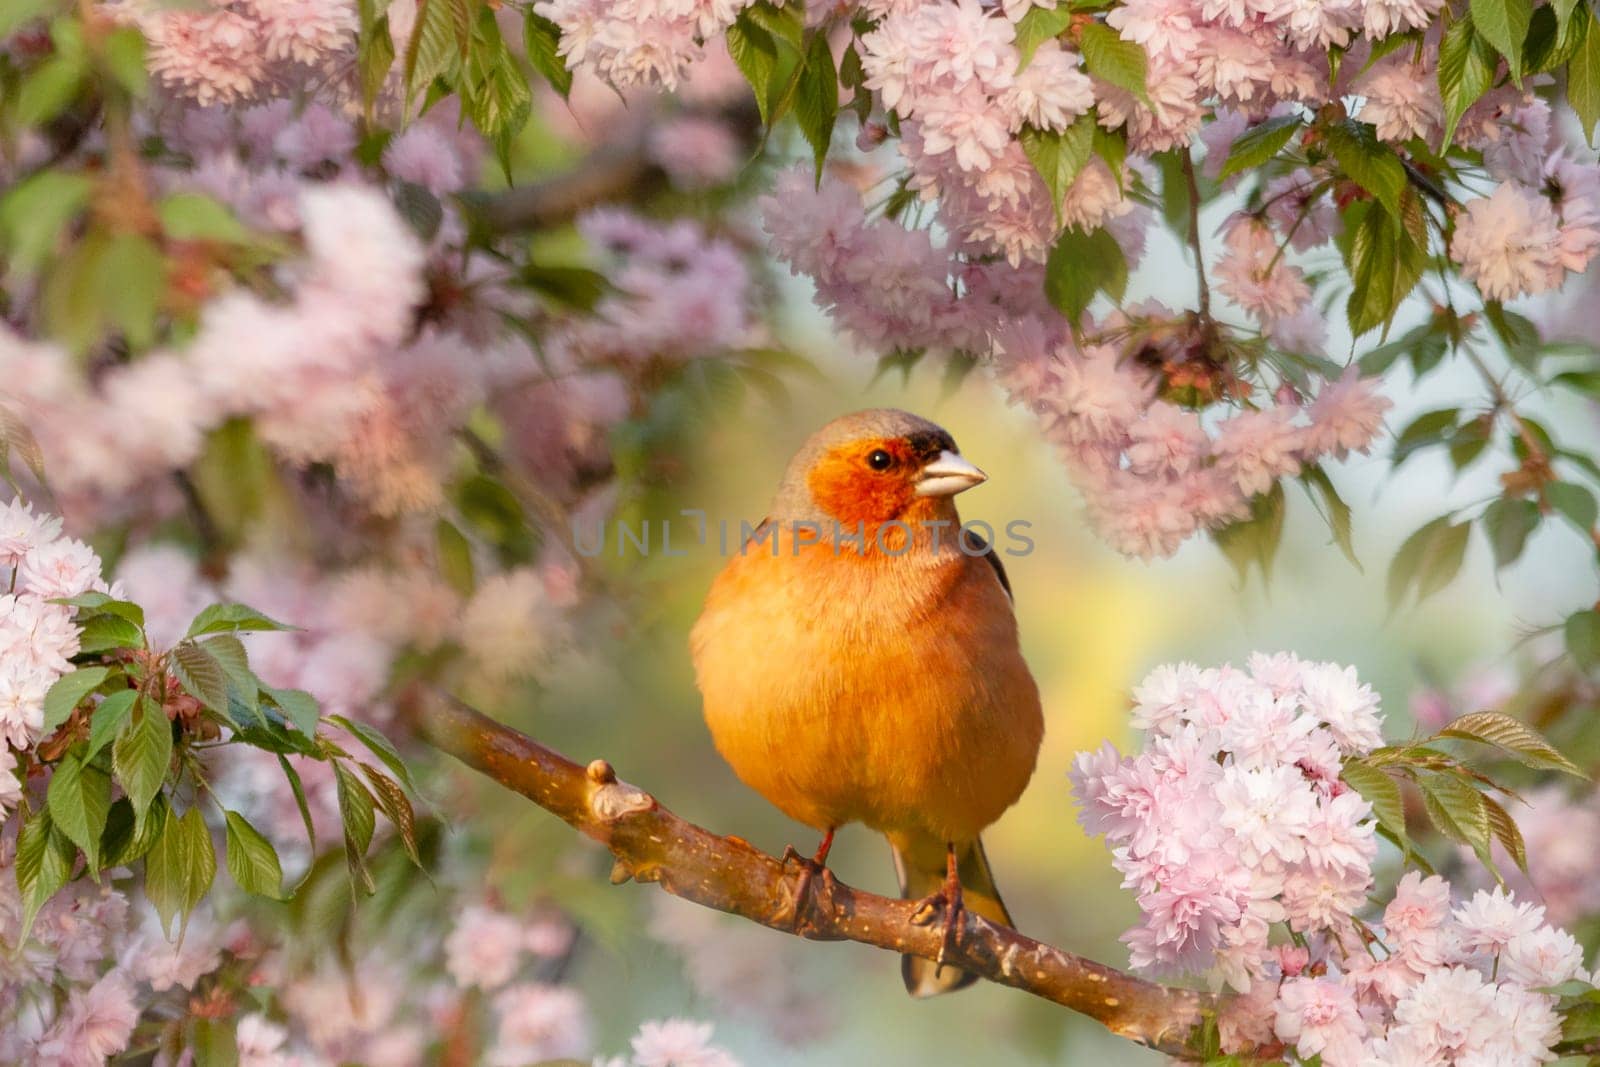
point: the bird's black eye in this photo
(880, 460)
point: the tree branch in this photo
(651, 844)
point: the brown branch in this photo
(617, 172)
(1194, 233)
(651, 844)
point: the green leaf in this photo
(455, 558)
(1573, 501)
(107, 719)
(1383, 793)
(201, 675)
(79, 799)
(1368, 162)
(1514, 736)
(1059, 156)
(1504, 24)
(1428, 559)
(818, 101)
(1507, 523)
(298, 788)
(356, 812)
(1429, 428)
(1081, 265)
(124, 842)
(93, 603)
(67, 693)
(195, 217)
(1036, 27)
(375, 53)
(1582, 631)
(1386, 257)
(1583, 75)
(226, 618)
(1111, 59)
(1335, 510)
(141, 755)
(1254, 541)
(755, 53)
(300, 707)
(1259, 144)
(46, 90)
(34, 213)
(181, 867)
(102, 633)
(542, 39)
(397, 807)
(1583, 381)
(438, 45)
(1505, 830)
(43, 863)
(1467, 66)
(133, 282)
(1458, 811)
(252, 861)
(378, 745)
(18, 13)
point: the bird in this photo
(859, 662)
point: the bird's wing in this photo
(974, 544)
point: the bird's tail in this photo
(921, 864)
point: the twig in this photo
(1194, 234)
(651, 844)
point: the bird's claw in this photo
(810, 868)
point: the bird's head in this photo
(874, 467)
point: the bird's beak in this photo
(948, 475)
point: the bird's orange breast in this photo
(888, 690)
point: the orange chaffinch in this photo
(858, 665)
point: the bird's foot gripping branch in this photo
(651, 844)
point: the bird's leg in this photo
(809, 868)
(951, 894)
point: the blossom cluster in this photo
(638, 42)
(1252, 863)
(38, 637)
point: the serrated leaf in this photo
(1386, 257)
(1059, 156)
(1513, 736)
(299, 790)
(1573, 501)
(1036, 26)
(542, 40)
(124, 843)
(1466, 71)
(67, 693)
(1428, 559)
(79, 798)
(817, 104)
(201, 675)
(1505, 830)
(1368, 162)
(1583, 75)
(378, 745)
(1458, 811)
(35, 212)
(180, 867)
(141, 755)
(1507, 524)
(101, 633)
(1504, 24)
(95, 603)
(299, 706)
(1429, 428)
(1582, 632)
(397, 807)
(230, 618)
(1383, 793)
(356, 813)
(439, 42)
(1259, 144)
(1112, 59)
(252, 861)
(43, 862)
(107, 718)
(1254, 541)
(755, 53)
(1335, 510)
(1081, 265)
